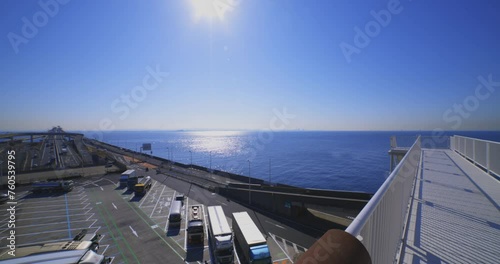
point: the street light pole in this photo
(269, 171)
(249, 193)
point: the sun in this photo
(203, 9)
(212, 8)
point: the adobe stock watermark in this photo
(123, 105)
(31, 26)
(372, 29)
(455, 115)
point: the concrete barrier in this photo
(27, 178)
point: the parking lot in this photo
(134, 229)
(52, 218)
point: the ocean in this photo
(351, 161)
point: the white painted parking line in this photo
(115, 183)
(104, 248)
(54, 223)
(186, 215)
(46, 206)
(146, 196)
(279, 260)
(90, 216)
(51, 216)
(92, 223)
(51, 211)
(47, 201)
(48, 232)
(157, 202)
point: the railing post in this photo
(488, 157)
(465, 147)
(474, 151)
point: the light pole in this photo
(269, 171)
(190, 152)
(168, 154)
(249, 193)
(210, 160)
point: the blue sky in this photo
(239, 67)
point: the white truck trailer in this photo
(252, 242)
(221, 235)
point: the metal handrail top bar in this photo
(357, 224)
(477, 139)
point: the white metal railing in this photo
(483, 153)
(379, 226)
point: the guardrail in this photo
(480, 152)
(379, 226)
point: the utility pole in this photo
(249, 193)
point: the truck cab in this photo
(124, 178)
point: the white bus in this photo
(175, 216)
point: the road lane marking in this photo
(274, 224)
(154, 230)
(114, 206)
(111, 233)
(133, 231)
